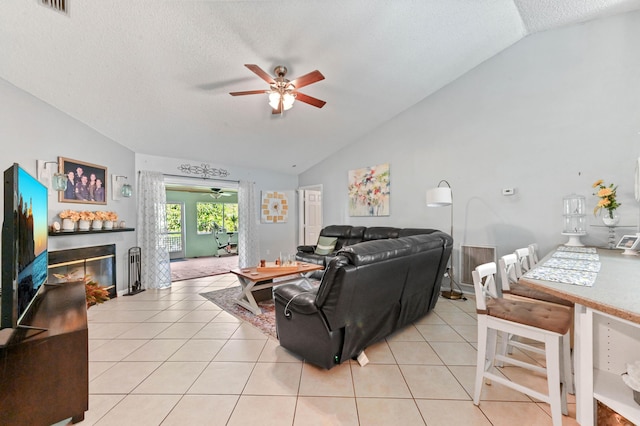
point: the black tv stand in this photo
(45, 373)
(30, 327)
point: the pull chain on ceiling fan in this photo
(283, 92)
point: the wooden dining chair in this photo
(540, 322)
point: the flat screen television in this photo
(24, 244)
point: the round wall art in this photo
(274, 207)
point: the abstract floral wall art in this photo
(369, 191)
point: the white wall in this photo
(547, 116)
(32, 130)
(274, 238)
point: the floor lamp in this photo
(442, 196)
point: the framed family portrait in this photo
(86, 182)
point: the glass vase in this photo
(610, 218)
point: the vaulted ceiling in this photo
(154, 76)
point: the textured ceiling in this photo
(154, 76)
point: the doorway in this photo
(309, 214)
(207, 209)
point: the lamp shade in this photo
(274, 99)
(439, 197)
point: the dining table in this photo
(604, 286)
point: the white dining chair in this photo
(523, 259)
(533, 255)
(510, 273)
(535, 321)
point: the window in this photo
(212, 216)
(174, 217)
(173, 238)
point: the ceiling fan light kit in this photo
(283, 92)
(287, 98)
(218, 192)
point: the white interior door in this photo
(311, 215)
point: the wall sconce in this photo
(126, 190)
(56, 181)
(120, 190)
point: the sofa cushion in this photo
(406, 232)
(325, 245)
(317, 259)
(376, 251)
(380, 232)
(346, 234)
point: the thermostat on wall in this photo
(508, 191)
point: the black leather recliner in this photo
(368, 290)
(348, 235)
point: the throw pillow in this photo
(325, 245)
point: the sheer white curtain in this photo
(248, 238)
(152, 227)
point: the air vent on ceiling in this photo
(59, 5)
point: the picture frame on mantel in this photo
(86, 182)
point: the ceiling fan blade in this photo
(260, 73)
(248, 92)
(278, 110)
(307, 79)
(310, 100)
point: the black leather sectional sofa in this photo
(369, 289)
(347, 235)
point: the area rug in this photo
(198, 267)
(225, 298)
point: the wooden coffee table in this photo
(255, 279)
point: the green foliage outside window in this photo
(210, 215)
(174, 213)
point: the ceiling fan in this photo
(283, 92)
(217, 193)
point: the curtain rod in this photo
(200, 177)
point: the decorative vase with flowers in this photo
(607, 202)
(85, 220)
(69, 219)
(111, 217)
(101, 217)
(107, 218)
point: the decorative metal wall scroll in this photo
(204, 170)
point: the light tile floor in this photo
(170, 357)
